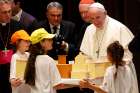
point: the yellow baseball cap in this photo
(20, 34)
(39, 35)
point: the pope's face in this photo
(5, 12)
(54, 16)
(97, 17)
(83, 9)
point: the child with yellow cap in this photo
(20, 39)
(41, 72)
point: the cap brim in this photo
(25, 38)
(50, 36)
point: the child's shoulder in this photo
(14, 55)
(45, 57)
(111, 69)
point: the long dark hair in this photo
(29, 75)
(116, 52)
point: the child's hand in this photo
(84, 84)
(59, 86)
(16, 82)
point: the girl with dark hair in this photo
(41, 72)
(118, 77)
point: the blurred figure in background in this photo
(83, 9)
(23, 17)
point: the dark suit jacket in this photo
(28, 21)
(80, 34)
(81, 28)
(67, 29)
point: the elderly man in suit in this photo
(64, 30)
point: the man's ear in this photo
(46, 13)
(18, 3)
(105, 12)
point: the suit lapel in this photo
(62, 32)
(47, 27)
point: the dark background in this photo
(125, 11)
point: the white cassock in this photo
(96, 41)
(99, 39)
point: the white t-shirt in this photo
(124, 82)
(47, 75)
(18, 56)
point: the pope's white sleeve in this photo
(126, 37)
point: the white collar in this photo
(51, 26)
(19, 52)
(18, 15)
(22, 56)
(3, 24)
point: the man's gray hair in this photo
(54, 4)
(6, 1)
